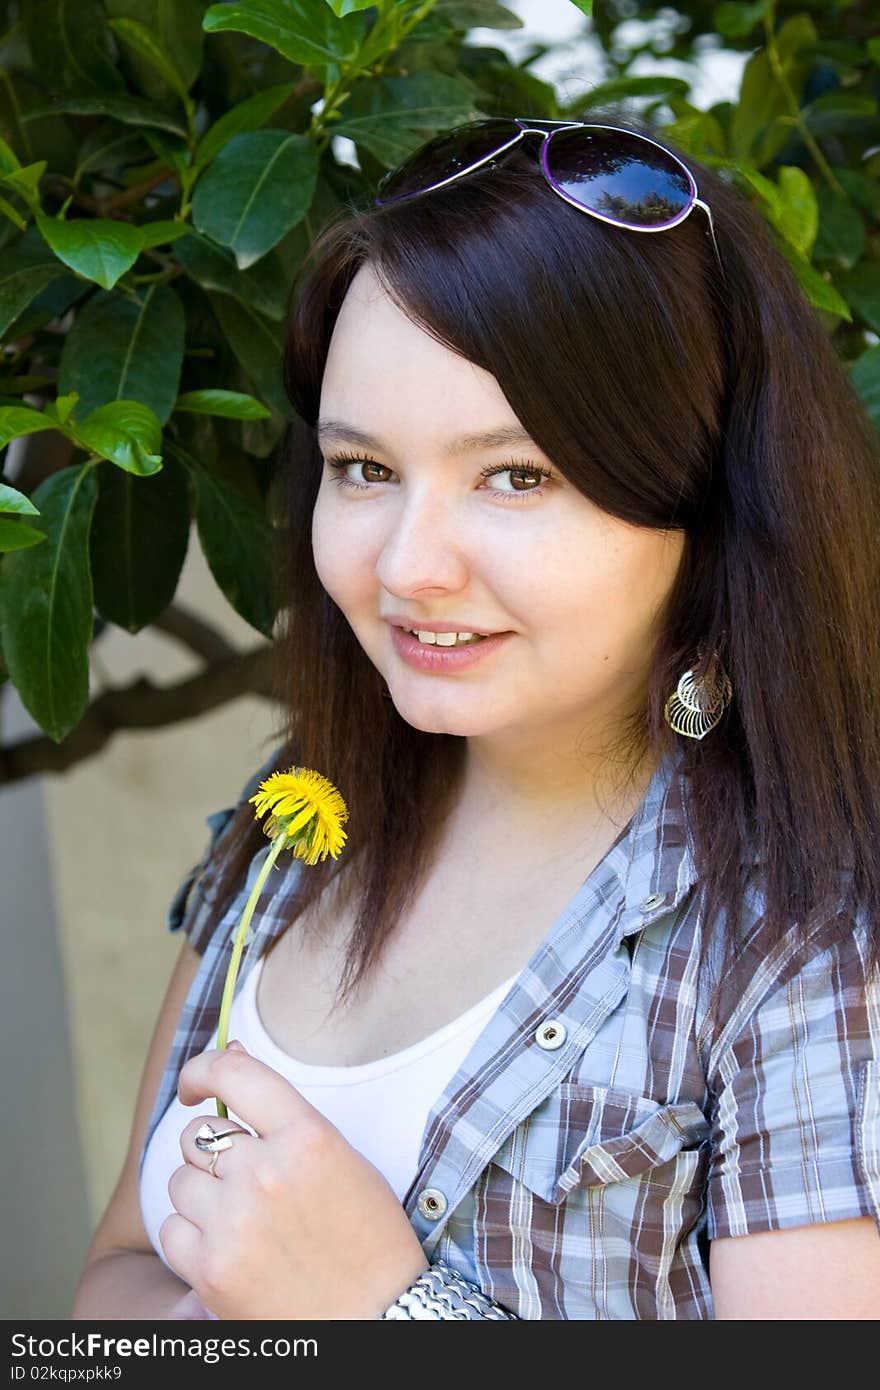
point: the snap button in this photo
(653, 900)
(431, 1203)
(550, 1035)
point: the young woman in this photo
(585, 1020)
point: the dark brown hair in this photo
(671, 396)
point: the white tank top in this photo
(380, 1107)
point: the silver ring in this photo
(209, 1141)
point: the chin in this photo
(434, 717)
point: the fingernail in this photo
(239, 1047)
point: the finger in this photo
(181, 1242)
(195, 1195)
(229, 1136)
(261, 1096)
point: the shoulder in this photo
(189, 910)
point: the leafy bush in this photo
(163, 171)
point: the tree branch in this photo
(194, 633)
(141, 705)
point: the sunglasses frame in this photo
(527, 126)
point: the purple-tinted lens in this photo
(444, 156)
(620, 175)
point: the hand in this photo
(296, 1223)
(189, 1308)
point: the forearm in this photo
(131, 1284)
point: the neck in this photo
(545, 788)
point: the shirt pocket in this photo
(592, 1136)
(595, 1203)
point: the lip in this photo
(443, 660)
(397, 621)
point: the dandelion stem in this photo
(278, 844)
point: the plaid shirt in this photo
(597, 1137)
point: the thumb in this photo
(239, 1047)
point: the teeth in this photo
(447, 639)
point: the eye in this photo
(343, 461)
(515, 468)
(521, 470)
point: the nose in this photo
(425, 548)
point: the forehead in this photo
(387, 375)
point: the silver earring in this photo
(698, 702)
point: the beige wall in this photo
(122, 829)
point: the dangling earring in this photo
(698, 703)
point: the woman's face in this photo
(429, 539)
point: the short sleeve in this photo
(796, 1116)
(189, 910)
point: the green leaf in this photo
(26, 182)
(842, 233)
(735, 21)
(820, 292)
(46, 617)
(11, 500)
(138, 37)
(8, 161)
(18, 420)
(15, 535)
(108, 148)
(861, 288)
(125, 349)
(798, 215)
(27, 266)
(263, 286)
(171, 151)
(15, 217)
(301, 30)
(98, 248)
(465, 15)
(139, 538)
(234, 405)
(696, 132)
(259, 347)
(69, 45)
(343, 7)
(237, 541)
(125, 432)
(754, 132)
(127, 109)
(832, 113)
(177, 26)
(391, 116)
(162, 233)
(865, 375)
(259, 186)
(62, 407)
(865, 192)
(247, 115)
(619, 88)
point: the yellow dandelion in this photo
(307, 809)
(307, 814)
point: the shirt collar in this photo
(657, 859)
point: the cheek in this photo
(610, 585)
(332, 554)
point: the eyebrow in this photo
(465, 443)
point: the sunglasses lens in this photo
(444, 156)
(620, 175)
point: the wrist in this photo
(441, 1292)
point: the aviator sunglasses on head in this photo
(620, 176)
